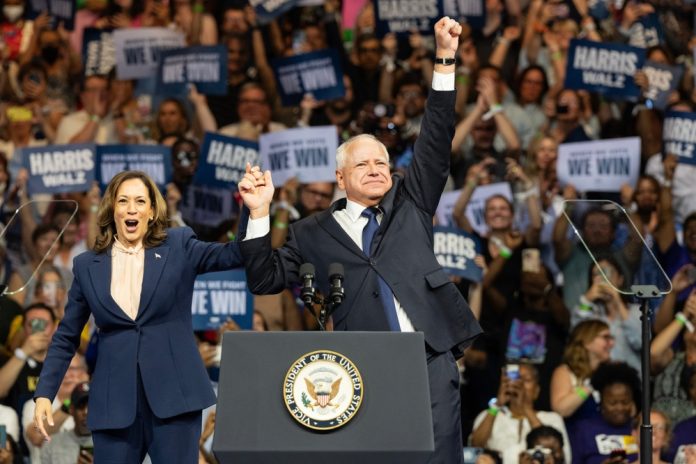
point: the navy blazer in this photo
(159, 343)
(402, 249)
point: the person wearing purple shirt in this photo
(685, 431)
(596, 438)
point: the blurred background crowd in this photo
(556, 372)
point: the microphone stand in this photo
(644, 292)
(326, 308)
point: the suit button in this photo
(375, 294)
(373, 262)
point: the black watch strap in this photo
(445, 61)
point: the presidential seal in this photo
(323, 390)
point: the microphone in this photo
(307, 276)
(336, 292)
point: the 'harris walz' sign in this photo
(223, 161)
(405, 16)
(604, 68)
(59, 168)
(679, 136)
(455, 250)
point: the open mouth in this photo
(131, 225)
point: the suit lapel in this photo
(155, 260)
(327, 222)
(100, 275)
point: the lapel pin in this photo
(157, 256)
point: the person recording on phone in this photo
(19, 374)
(71, 446)
(511, 415)
(545, 445)
(603, 301)
(149, 384)
(382, 235)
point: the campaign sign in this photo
(306, 153)
(59, 10)
(679, 136)
(405, 16)
(663, 81)
(646, 32)
(475, 207)
(223, 161)
(318, 73)
(268, 10)
(604, 68)
(207, 206)
(59, 168)
(206, 67)
(455, 250)
(153, 160)
(139, 50)
(98, 53)
(473, 12)
(599, 166)
(218, 296)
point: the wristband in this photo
(20, 354)
(280, 225)
(505, 253)
(495, 109)
(94, 208)
(493, 408)
(557, 55)
(585, 304)
(667, 184)
(581, 393)
(94, 118)
(198, 8)
(462, 79)
(65, 407)
(684, 321)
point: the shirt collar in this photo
(354, 210)
(128, 250)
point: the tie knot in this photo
(370, 212)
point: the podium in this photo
(392, 425)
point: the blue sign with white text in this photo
(318, 73)
(679, 136)
(455, 250)
(604, 68)
(59, 168)
(206, 67)
(153, 160)
(268, 10)
(219, 296)
(61, 11)
(223, 161)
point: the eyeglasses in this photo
(317, 193)
(607, 337)
(369, 50)
(410, 94)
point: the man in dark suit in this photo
(382, 234)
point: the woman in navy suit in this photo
(149, 385)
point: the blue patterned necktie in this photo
(385, 292)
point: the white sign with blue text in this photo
(306, 153)
(475, 208)
(599, 166)
(138, 50)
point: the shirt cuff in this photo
(257, 228)
(442, 81)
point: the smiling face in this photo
(132, 212)
(498, 214)
(617, 404)
(599, 348)
(365, 174)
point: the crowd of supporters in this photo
(576, 340)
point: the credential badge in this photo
(323, 390)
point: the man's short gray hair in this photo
(343, 150)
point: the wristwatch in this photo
(445, 61)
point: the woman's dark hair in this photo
(617, 372)
(156, 229)
(182, 109)
(543, 431)
(41, 230)
(493, 454)
(43, 306)
(522, 74)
